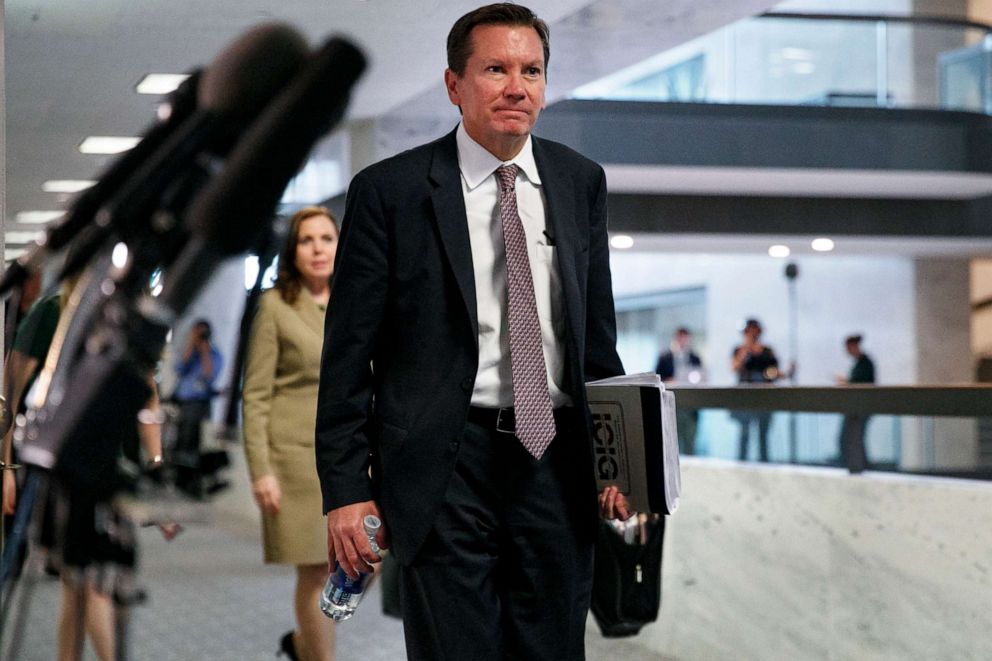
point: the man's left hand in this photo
(613, 504)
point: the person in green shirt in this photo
(68, 545)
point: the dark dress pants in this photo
(506, 571)
(852, 442)
(763, 421)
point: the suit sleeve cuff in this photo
(347, 494)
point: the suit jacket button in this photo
(467, 384)
(453, 446)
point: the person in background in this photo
(279, 406)
(852, 431)
(81, 533)
(472, 302)
(681, 365)
(197, 368)
(754, 362)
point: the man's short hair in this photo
(501, 13)
(682, 330)
(853, 339)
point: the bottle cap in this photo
(371, 523)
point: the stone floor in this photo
(210, 597)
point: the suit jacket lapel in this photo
(310, 313)
(452, 223)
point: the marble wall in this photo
(774, 562)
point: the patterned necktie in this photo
(534, 417)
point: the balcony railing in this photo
(812, 59)
(930, 430)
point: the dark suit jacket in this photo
(666, 364)
(400, 350)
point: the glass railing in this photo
(826, 60)
(927, 430)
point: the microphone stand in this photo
(104, 352)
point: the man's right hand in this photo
(347, 543)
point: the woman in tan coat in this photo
(280, 404)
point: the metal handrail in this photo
(973, 401)
(942, 21)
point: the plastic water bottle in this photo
(341, 593)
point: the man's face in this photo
(501, 92)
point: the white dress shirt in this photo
(494, 382)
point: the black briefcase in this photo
(626, 589)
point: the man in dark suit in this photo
(680, 365)
(472, 300)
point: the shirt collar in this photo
(476, 163)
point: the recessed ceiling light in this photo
(779, 251)
(822, 244)
(21, 237)
(66, 185)
(37, 217)
(622, 241)
(160, 83)
(13, 253)
(107, 144)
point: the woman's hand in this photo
(9, 492)
(267, 493)
(170, 530)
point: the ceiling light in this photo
(66, 185)
(106, 144)
(37, 217)
(160, 83)
(14, 236)
(13, 253)
(822, 245)
(779, 251)
(622, 241)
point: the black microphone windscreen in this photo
(232, 210)
(245, 75)
(182, 104)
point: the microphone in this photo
(182, 103)
(234, 89)
(229, 214)
(229, 93)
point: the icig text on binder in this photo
(635, 441)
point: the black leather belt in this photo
(502, 420)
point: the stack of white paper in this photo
(635, 440)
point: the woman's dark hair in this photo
(501, 13)
(288, 277)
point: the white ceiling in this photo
(799, 245)
(71, 68)
(71, 65)
(797, 182)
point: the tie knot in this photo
(506, 175)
